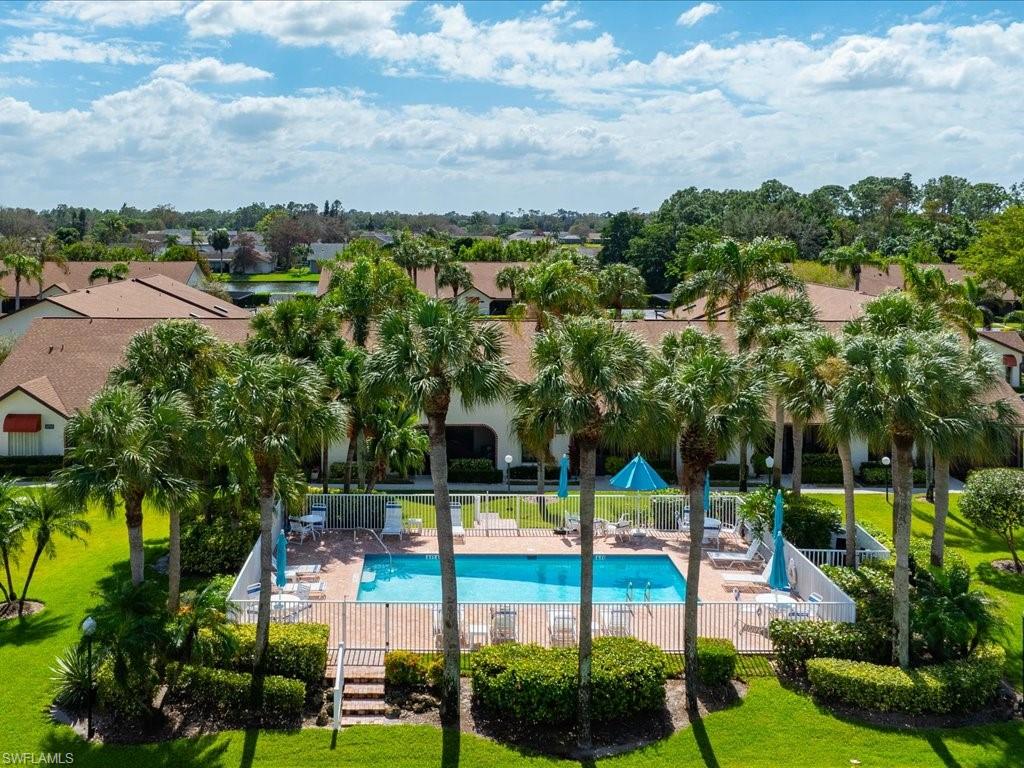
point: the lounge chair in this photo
(300, 572)
(748, 615)
(561, 626)
(749, 578)
(616, 621)
(319, 509)
(729, 559)
(458, 532)
(318, 587)
(622, 529)
(503, 625)
(437, 626)
(572, 523)
(392, 521)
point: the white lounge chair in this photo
(622, 529)
(561, 626)
(437, 626)
(572, 523)
(392, 521)
(300, 572)
(318, 587)
(458, 532)
(729, 559)
(301, 528)
(503, 625)
(616, 621)
(749, 578)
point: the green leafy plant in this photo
(72, 676)
(219, 545)
(717, 661)
(473, 471)
(410, 670)
(229, 693)
(297, 651)
(796, 642)
(809, 522)
(993, 499)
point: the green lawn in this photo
(771, 727)
(277, 277)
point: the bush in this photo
(30, 466)
(529, 472)
(406, 669)
(716, 661)
(613, 464)
(218, 545)
(956, 686)
(993, 499)
(724, 471)
(797, 642)
(809, 521)
(298, 651)
(474, 471)
(222, 692)
(73, 677)
(822, 468)
(535, 685)
(875, 473)
(759, 461)
(129, 699)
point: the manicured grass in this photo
(277, 277)
(823, 274)
(771, 727)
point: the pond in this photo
(245, 286)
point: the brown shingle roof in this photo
(155, 296)
(74, 275)
(1009, 339)
(484, 275)
(63, 361)
(831, 304)
(875, 281)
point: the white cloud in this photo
(553, 6)
(582, 24)
(697, 14)
(209, 69)
(50, 46)
(114, 13)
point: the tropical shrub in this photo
(406, 669)
(613, 464)
(950, 618)
(822, 468)
(808, 523)
(797, 642)
(217, 545)
(993, 499)
(30, 466)
(474, 471)
(954, 686)
(72, 677)
(875, 473)
(226, 693)
(130, 697)
(536, 685)
(724, 471)
(297, 651)
(716, 660)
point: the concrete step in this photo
(348, 720)
(364, 690)
(363, 707)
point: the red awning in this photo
(1009, 361)
(23, 422)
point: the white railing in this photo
(807, 578)
(868, 548)
(250, 573)
(490, 514)
(339, 685)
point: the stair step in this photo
(364, 690)
(348, 720)
(363, 707)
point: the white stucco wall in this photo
(17, 323)
(473, 295)
(52, 438)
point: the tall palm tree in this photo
(437, 256)
(12, 532)
(929, 286)
(727, 273)
(767, 323)
(557, 288)
(590, 373)
(453, 274)
(408, 252)
(900, 368)
(179, 358)
(976, 295)
(271, 411)
(115, 271)
(851, 260)
(45, 518)
(704, 397)
(429, 353)
(122, 448)
(24, 268)
(621, 285)
(364, 289)
(511, 279)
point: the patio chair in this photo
(729, 559)
(572, 523)
(437, 626)
(748, 615)
(458, 532)
(561, 626)
(622, 529)
(749, 578)
(601, 527)
(503, 625)
(808, 610)
(301, 528)
(300, 572)
(392, 520)
(318, 587)
(616, 621)
(319, 509)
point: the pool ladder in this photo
(647, 592)
(391, 562)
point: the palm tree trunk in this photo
(28, 577)
(17, 292)
(695, 488)
(174, 561)
(266, 566)
(450, 700)
(902, 482)
(541, 478)
(796, 479)
(7, 572)
(843, 448)
(929, 472)
(856, 277)
(941, 508)
(136, 551)
(780, 433)
(588, 472)
(350, 456)
(744, 459)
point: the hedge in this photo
(956, 686)
(797, 642)
(407, 669)
(129, 700)
(809, 521)
(875, 473)
(226, 693)
(529, 472)
(536, 685)
(822, 468)
(219, 545)
(716, 661)
(297, 651)
(724, 471)
(30, 466)
(474, 471)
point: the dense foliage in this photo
(229, 694)
(218, 544)
(410, 670)
(993, 499)
(473, 471)
(808, 522)
(297, 651)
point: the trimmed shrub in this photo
(297, 651)
(529, 472)
(474, 471)
(219, 545)
(716, 661)
(809, 521)
(30, 466)
(536, 685)
(822, 468)
(222, 692)
(797, 642)
(993, 499)
(875, 473)
(613, 464)
(129, 699)
(956, 686)
(725, 471)
(406, 669)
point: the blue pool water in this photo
(521, 578)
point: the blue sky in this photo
(498, 105)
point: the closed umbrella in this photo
(563, 477)
(707, 492)
(778, 579)
(282, 558)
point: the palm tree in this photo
(704, 397)
(437, 256)
(767, 323)
(454, 275)
(395, 441)
(901, 367)
(727, 273)
(219, 240)
(929, 286)
(23, 267)
(122, 447)
(428, 354)
(621, 285)
(851, 260)
(302, 328)
(45, 518)
(511, 279)
(589, 374)
(976, 295)
(557, 288)
(362, 290)
(271, 410)
(408, 253)
(203, 611)
(115, 271)
(534, 422)
(12, 532)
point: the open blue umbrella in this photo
(563, 477)
(778, 579)
(638, 475)
(282, 558)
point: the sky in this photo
(588, 106)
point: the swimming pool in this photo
(521, 579)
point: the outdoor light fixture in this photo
(886, 462)
(508, 472)
(88, 630)
(770, 463)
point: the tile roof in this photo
(75, 274)
(1009, 339)
(831, 304)
(484, 273)
(155, 296)
(63, 361)
(875, 281)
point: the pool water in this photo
(521, 579)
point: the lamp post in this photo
(508, 472)
(886, 462)
(770, 463)
(88, 630)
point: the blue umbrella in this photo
(778, 579)
(638, 475)
(282, 558)
(563, 477)
(707, 492)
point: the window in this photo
(24, 443)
